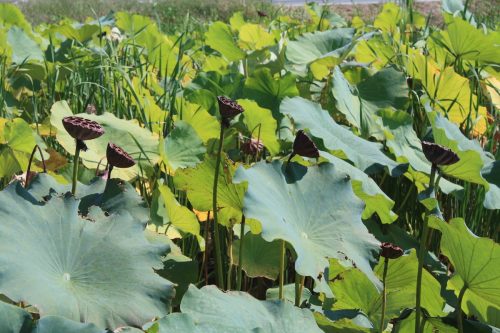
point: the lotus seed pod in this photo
(228, 109)
(261, 13)
(304, 146)
(252, 146)
(439, 155)
(117, 157)
(81, 128)
(390, 251)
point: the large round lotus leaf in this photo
(199, 182)
(269, 91)
(182, 148)
(472, 157)
(14, 319)
(119, 195)
(98, 271)
(54, 324)
(476, 261)
(314, 209)
(366, 189)
(360, 104)
(311, 47)
(364, 154)
(139, 142)
(209, 310)
(220, 38)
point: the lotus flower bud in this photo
(117, 157)
(228, 109)
(81, 128)
(439, 155)
(390, 251)
(304, 146)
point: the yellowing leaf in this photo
(254, 37)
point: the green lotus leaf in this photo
(181, 217)
(431, 325)
(288, 293)
(269, 91)
(82, 33)
(463, 40)
(99, 271)
(16, 144)
(260, 258)
(315, 48)
(338, 326)
(366, 189)
(472, 157)
(366, 155)
(137, 141)
(182, 148)
(199, 182)
(54, 324)
(476, 261)
(23, 46)
(386, 89)
(354, 291)
(206, 126)
(455, 8)
(209, 310)
(260, 124)
(404, 143)
(119, 195)
(14, 319)
(220, 38)
(11, 15)
(254, 37)
(318, 215)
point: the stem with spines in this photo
(421, 255)
(218, 252)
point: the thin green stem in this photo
(282, 270)
(421, 255)
(230, 265)
(459, 309)
(218, 253)
(240, 257)
(75, 168)
(384, 295)
(299, 286)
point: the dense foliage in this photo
(270, 175)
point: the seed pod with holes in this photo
(81, 128)
(228, 109)
(390, 251)
(304, 146)
(439, 155)
(117, 157)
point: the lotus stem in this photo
(240, 258)
(421, 255)
(230, 265)
(282, 270)
(26, 182)
(299, 286)
(459, 309)
(218, 254)
(75, 167)
(384, 295)
(110, 169)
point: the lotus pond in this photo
(267, 174)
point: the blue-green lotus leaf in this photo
(14, 319)
(365, 154)
(119, 195)
(315, 210)
(98, 271)
(209, 310)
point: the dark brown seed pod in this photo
(252, 146)
(228, 109)
(117, 157)
(304, 146)
(439, 155)
(81, 128)
(390, 251)
(261, 13)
